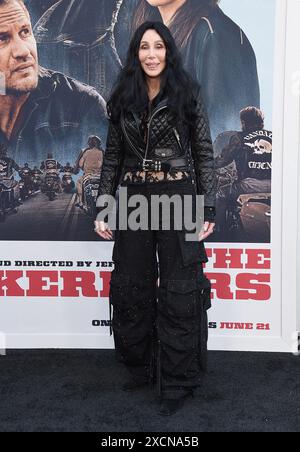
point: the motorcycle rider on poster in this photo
(26, 177)
(90, 162)
(7, 168)
(51, 182)
(251, 151)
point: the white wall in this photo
(291, 167)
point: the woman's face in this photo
(152, 54)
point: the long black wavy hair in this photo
(131, 93)
(184, 21)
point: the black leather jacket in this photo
(162, 134)
(252, 153)
(221, 59)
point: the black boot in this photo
(171, 406)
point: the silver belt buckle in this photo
(151, 165)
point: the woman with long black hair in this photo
(216, 52)
(159, 144)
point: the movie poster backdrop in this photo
(54, 269)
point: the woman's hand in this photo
(103, 230)
(207, 230)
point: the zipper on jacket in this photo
(148, 128)
(188, 155)
(177, 138)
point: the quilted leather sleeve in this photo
(203, 155)
(112, 162)
(230, 152)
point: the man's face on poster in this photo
(18, 50)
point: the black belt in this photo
(156, 165)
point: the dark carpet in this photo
(79, 391)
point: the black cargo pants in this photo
(160, 330)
